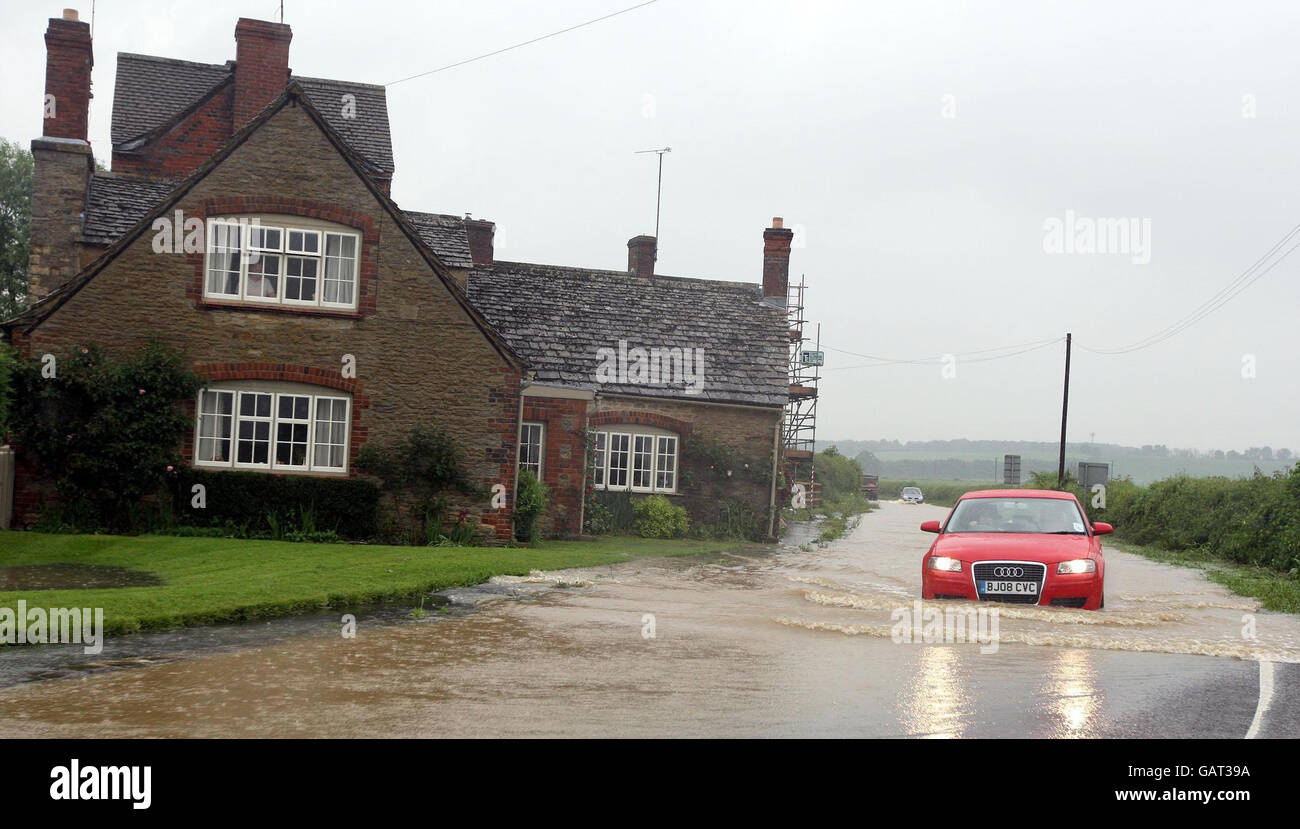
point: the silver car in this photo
(912, 495)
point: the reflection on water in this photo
(1069, 682)
(748, 644)
(936, 706)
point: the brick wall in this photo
(420, 359)
(563, 461)
(60, 178)
(747, 432)
(180, 150)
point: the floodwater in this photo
(73, 577)
(771, 642)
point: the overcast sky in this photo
(920, 150)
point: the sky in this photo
(940, 163)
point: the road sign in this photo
(1011, 470)
(814, 358)
(1091, 474)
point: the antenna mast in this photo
(658, 191)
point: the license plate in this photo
(1015, 588)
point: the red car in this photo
(1027, 546)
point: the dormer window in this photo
(270, 262)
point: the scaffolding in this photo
(800, 427)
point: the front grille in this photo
(948, 596)
(989, 570)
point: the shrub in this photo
(530, 502)
(256, 504)
(417, 472)
(106, 430)
(657, 517)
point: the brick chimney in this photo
(68, 61)
(261, 66)
(641, 255)
(482, 234)
(776, 260)
(62, 160)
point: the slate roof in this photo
(557, 318)
(151, 92)
(445, 235)
(116, 202)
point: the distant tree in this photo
(15, 225)
(1283, 454)
(868, 461)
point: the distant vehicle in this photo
(871, 487)
(1027, 546)
(912, 495)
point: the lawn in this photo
(207, 580)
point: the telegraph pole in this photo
(1065, 411)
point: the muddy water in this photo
(767, 643)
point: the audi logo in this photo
(1008, 572)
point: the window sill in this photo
(274, 308)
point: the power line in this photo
(1022, 348)
(525, 43)
(882, 361)
(1222, 297)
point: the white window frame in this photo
(240, 417)
(660, 456)
(626, 469)
(541, 446)
(601, 476)
(284, 253)
(638, 439)
(347, 432)
(274, 421)
(217, 418)
(291, 422)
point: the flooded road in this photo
(782, 642)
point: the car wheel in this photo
(1103, 601)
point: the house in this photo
(323, 316)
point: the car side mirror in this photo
(930, 526)
(1102, 528)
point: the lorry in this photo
(871, 487)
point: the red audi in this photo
(1027, 546)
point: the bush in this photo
(529, 504)
(838, 475)
(252, 504)
(657, 517)
(105, 430)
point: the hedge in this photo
(348, 506)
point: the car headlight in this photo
(951, 565)
(1078, 565)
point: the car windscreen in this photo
(1017, 515)
(911, 490)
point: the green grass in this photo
(208, 580)
(1275, 590)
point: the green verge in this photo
(1275, 590)
(209, 580)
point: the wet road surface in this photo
(779, 642)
